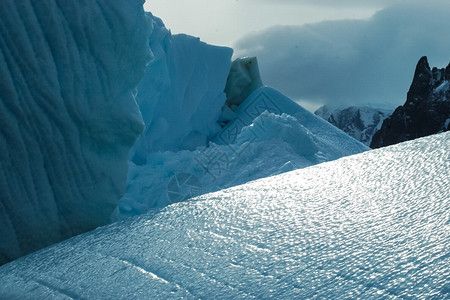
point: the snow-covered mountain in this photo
(426, 110)
(360, 123)
(68, 115)
(372, 225)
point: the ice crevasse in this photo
(68, 115)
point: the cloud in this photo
(352, 61)
(353, 3)
(340, 3)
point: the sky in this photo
(340, 53)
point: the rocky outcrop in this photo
(425, 112)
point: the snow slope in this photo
(270, 134)
(373, 225)
(68, 115)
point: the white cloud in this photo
(352, 61)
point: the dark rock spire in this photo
(426, 110)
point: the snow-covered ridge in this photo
(68, 115)
(372, 225)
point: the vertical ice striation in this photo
(68, 115)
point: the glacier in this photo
(68, 115)
(372, 225)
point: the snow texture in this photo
(270, 134)
(68, 115)
(181, 94)
(373, 225)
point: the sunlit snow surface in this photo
(373, 225)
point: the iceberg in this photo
(68, 115)
(373, 225)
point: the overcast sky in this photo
(221, 22)
(347, 52)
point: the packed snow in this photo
(68, 115)
(373, 225)
(269, 134)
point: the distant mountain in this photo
(425, 112)
(360, 123)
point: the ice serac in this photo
(181, 94)
(68, 115)
(244, 78)
(426, 110)
(216, 142)
(269, 134)
(360, 123)
(371, 226)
